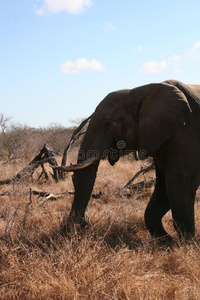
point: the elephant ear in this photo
(163, 110)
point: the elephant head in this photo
(137, 120)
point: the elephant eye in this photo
(107, 124)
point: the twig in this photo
(142, 171)
(7, 193)
(49, 196)
(143, 184)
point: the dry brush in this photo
(114, 258)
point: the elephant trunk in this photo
(83, 180)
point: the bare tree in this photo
(4, 122)
(14, 137)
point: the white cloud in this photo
(81, 64)
(194, 48)
(177, 71)
(140, 48)
(154, 67)
(175, 58)
(68, 6)
(108, 27)
(172, 62)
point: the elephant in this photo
(158, 120)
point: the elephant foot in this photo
(73, 224)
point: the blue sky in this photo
(60, 58)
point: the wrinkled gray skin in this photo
(159, 120)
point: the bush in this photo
(4, 154)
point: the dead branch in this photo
(43, 172)
(48, 196)
(138, 187)
(141, 171)
(45, 156)
(147, 184)
(126, 190)
(75, 135)
(7, 193)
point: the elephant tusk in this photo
(86, 163)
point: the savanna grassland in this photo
(114, 258)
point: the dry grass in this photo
(114, 258)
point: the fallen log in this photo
(45, 156)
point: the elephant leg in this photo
(181, 195)
(158, 206)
